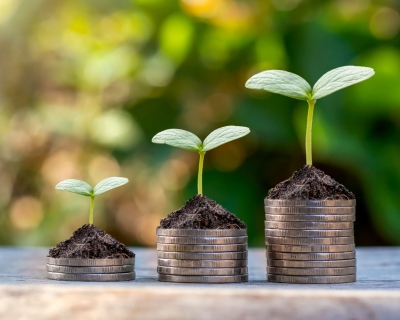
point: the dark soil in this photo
(201, 213)
(90, 242)
(310, 183)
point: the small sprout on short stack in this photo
(294, 86)
(187, 140)
(84, 189)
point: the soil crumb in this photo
(201, 213)
(310, 183)
(90, 242)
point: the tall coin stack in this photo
(310, 241)
(96, 270)
(202, 256)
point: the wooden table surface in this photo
(25, 293)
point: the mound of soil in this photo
(310, 183)
(201, 213)
(90, 242)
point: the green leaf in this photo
(75, 186)
(340, 78)
(282, 82)
(108, 184)
(224, 135)
(178, 138)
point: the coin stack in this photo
(96, 270)
(310, 241)
(202, 256)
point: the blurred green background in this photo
(85, 84)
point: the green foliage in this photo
(294, 86)
(105, 76)
(179, 138)
(84, 189)
(188, 141)
(281, 82)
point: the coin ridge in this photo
(182, 255)
(310, 217)
(201, 232)
(201, 263)
(309, 240)
(309, 225)
(202, 240)
(309, 203)
(90, 262)
(312, 279)
(93, 270)
(90, 277)
(297, 233)
(202, 271)
(311, 256)
(311, 248)
(312, 264)
(332, 211)
(201, 248)
(288, 271)
(203, 279)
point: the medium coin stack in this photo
(202, 256)
(96, 270)
(310, 241)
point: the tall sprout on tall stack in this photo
(294, 86)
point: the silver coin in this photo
(309, 233)
(89, 262)
(202, 240)
(110, 269)
(239, 255)
(309, 203)
(202, 232)
(311, 264)
(310, 217)
(310, 210)
(309, 240)
(311, 271)
(311, 256)
(202, 271)
(201, 263)
(311, 279)
(311, 248)
(309, 225)
(95, 277)
(201, 248)
(203, 279)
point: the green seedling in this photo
(187, 140)
(84, 189)
(294, 86)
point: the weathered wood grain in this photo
(25, 293)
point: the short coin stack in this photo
(202, 256)
(96, 270)
(310, 241)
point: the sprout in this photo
(294, 86)
(187, 140)
(84, 189)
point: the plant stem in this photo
(200, 176)
(311, 104)
(91, 210)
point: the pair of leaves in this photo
(189, 141)
(83, 188)
(294, 86)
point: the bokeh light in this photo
(86, 84)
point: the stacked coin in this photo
(98, 270)
(310, 241)
(202, 256)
